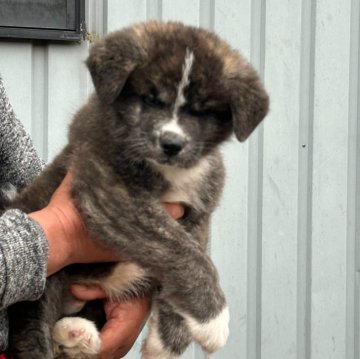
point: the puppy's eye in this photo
(152, 101)
(200, 113)
(218, 114)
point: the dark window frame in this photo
(41, 33)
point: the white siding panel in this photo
(186, 11)
(16, 70)
(280, 176)
(65, 66)
(229, 231)
(330, 179)
(123, 13)
(233, 23)
(39, 99)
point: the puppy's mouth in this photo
(170, 161)
(163, 159)
(185, 158)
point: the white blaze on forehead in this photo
(172, 125)
(185, 80)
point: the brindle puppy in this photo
(167, 95)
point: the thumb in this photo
(85, 293)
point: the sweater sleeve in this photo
(23, 258)
(19, 162)
(23, 246)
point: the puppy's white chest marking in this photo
(184, 182)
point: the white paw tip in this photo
(76, 337)
(213, 334)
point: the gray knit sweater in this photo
(23, 246)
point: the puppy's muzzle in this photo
(171, 143)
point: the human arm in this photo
(23, 246)
(23, 253)
(68, 239)
(41, 243)
(124, 319)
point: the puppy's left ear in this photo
(111, 61)
(249, 103)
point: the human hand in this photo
(69, 241)
(124, 321)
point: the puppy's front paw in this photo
(211, 335)
(76, 338)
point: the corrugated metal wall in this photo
(285, 237)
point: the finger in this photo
(67, 179)
(87, 293)
(125, 321)
(65, 185)
(175, 210)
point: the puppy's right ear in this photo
(111, 61)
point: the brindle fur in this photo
(118, 189)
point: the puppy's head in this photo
(179, 91)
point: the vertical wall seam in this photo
(255, 200)
(207, 14)
(306, 116)
(33, 98)
(46, 104)
(154, 9)
(105, 16)
(352, 258)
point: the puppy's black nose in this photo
(171, 143)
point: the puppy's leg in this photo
(31, 323)
(211, 334)
(168, 337)
(30, 332)
(77, 337)
(138, 229)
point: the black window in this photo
(42, 19)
